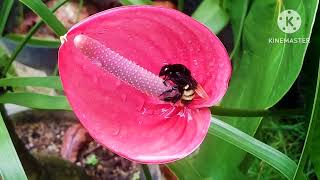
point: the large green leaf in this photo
(5, 7)
(38, 101)
(46, 15)
(211, 14)
(262, 74)
(10, 166)
(49, 82)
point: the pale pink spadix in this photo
(121, 67)
(110, 55)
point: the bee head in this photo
(165, 70)
(178, 69)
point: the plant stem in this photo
(146, 171)
(233, 112)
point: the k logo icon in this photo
(289, 21)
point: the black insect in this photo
(184, 85)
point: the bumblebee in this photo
(184, 86)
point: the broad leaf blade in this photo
(38, 101)
(10, 165)
(211, 14)
(49, 82)
(46, 15)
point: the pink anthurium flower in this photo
(109, 66)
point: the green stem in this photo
(146, 171)
(232, 112)
(79, 10)
(181, 5)
(29, 35)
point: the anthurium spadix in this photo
(109, 66)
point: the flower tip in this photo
(79, 41)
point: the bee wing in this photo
(201, 92)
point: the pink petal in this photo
(124, 119)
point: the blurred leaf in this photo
(135, 2)
(49, 82)
(311, 133)
(5, 9)
(243, 141)
(92, 160)
(34, 41)
(181, 5)
(310, 87)
(46, 15)
(4, 61)
(262, 74)
(211, 14)
(29, 35)
(37, 101)
(10, 165)
(315, 147)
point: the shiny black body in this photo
(181, 77)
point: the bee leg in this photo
(176, 98)
(166, 95)
(166, 78)
(173, 99)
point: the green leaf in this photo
(249, 144)
(92, 160)
(311, 133)
(311, 79)
(5, 9)
(262, 74)
(10, 166)
(237, 17)
(4, 61)
(135, 2)
(34, 41)
(46, 15)
(245, 142)
(315, 120)
(37, 101)
(211, 14)
(49, 82)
